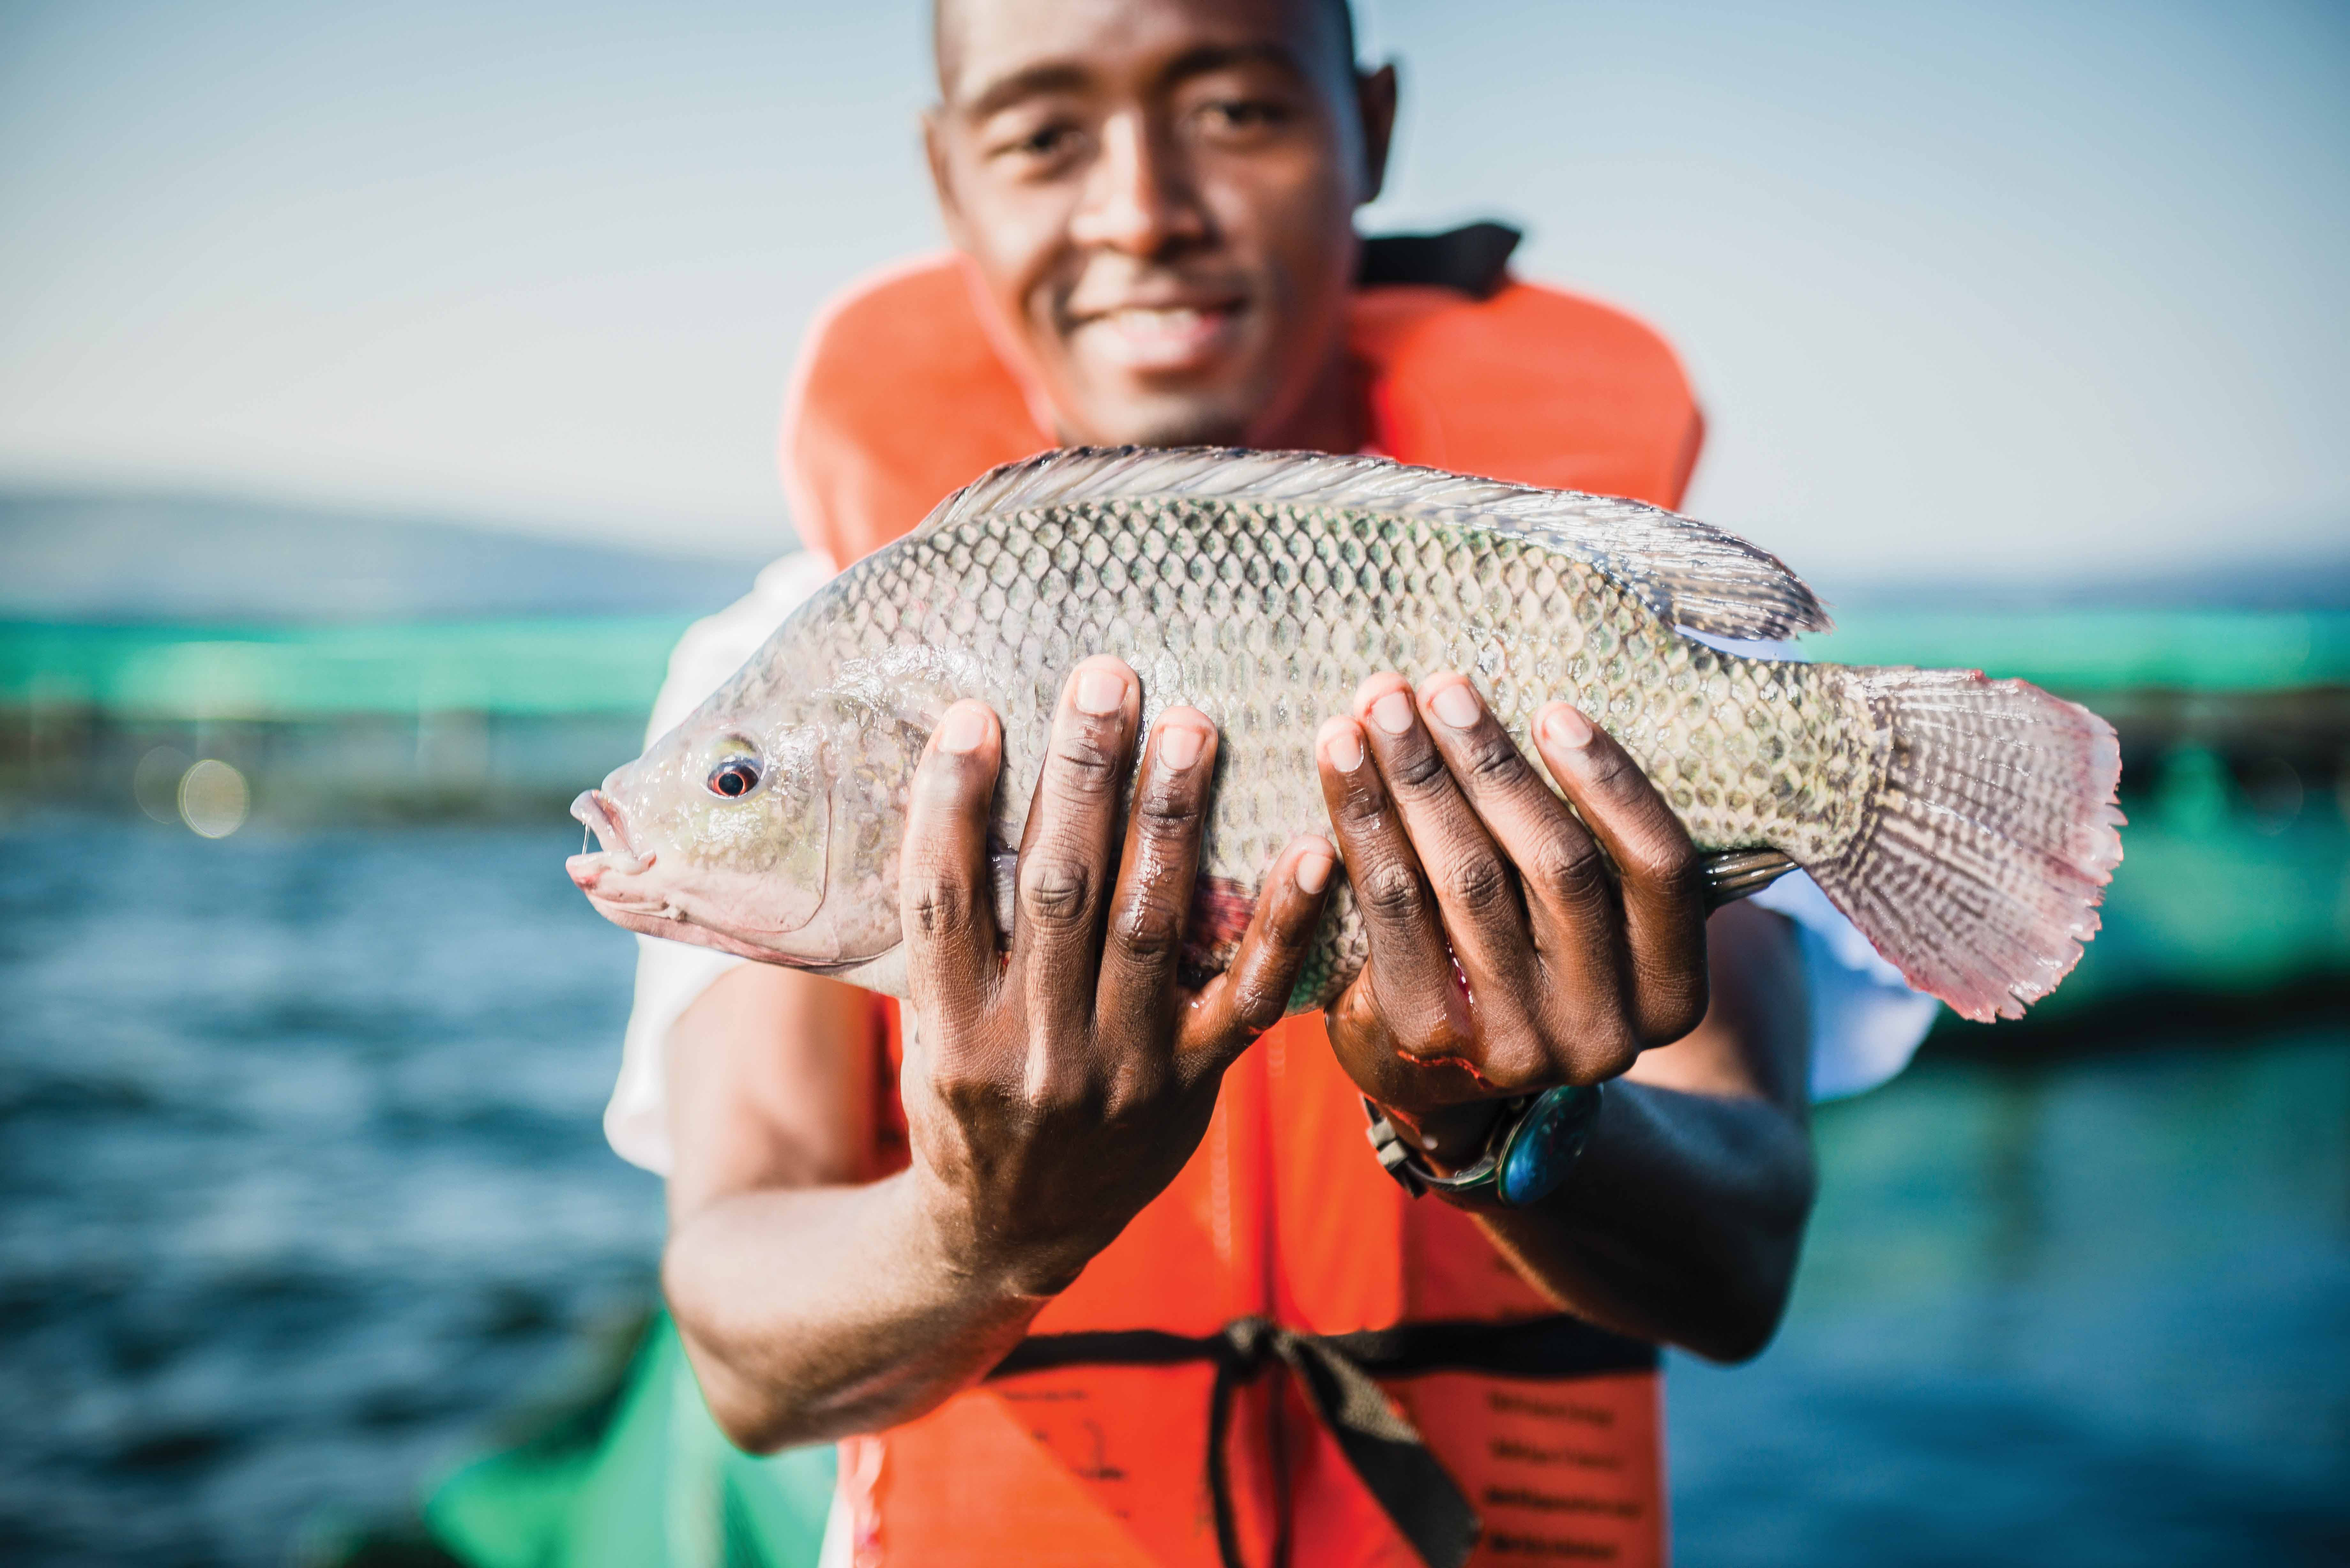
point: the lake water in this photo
(301, 1184)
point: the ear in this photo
(1375, 97)
(934, 152)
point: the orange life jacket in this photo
(1133, 1429)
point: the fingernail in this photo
(1456, 706)
(1343, 744)
(1565, 727)
(1393, 712)
(1314, 869)
(964, 729)
(1178, 745)
(1100, 692)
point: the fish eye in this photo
(735, 778)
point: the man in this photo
(1083, 1277)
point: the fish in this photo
(1967, 826)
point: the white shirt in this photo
(1865, 1023)
(671, 976)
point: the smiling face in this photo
(1158, 196)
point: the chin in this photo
(1164, 411)
(1163, 420)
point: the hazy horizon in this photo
(1988, 291)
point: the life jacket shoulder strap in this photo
(1533, 384)
(899, 399)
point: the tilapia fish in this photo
(1966, 826)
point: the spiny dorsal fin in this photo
(1690, 573)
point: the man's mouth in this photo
(1162, 337)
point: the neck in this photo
(1333, 416)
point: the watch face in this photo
(1541, 1149)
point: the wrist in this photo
(1524, 1156)
(1448, 1137)
(971, 1253)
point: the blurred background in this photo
(383, 389)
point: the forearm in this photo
(1683, 1219)
(815, 1312)
(1681, 1222)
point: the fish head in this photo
(720, 833)
(773, 838)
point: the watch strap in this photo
(1528, 1154)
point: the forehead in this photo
(985, 47)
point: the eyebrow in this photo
(1034, 81)
(1064, 76)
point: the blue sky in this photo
(2002, 289)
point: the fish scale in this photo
(1267, 617)
(1967, 825)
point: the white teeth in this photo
(1175, 322)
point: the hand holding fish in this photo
(1505, 956)
(1056, 1087)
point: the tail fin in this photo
(1988, 849)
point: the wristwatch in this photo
(1528, 1154)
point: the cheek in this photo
(1018, 239)
(1290, 217)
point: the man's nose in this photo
(1139, 196)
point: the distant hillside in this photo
(153, 557)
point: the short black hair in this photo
(1341, 12)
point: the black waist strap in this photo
(1335, 1373)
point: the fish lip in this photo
(601, 817)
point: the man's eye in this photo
(1245, 114)
(1044, 144)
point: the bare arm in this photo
(1586, 956)
(1051, 1091)
(788, 1267)
(1685, 1217)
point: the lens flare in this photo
(214, 798)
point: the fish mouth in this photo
(615, 854)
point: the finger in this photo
(1069, 847)
(944, 897)
(1252, 995)
(1411, 965)
(1476, 889)
(1663, 895)
(1158, 870)
(1569, 891)
(1428, 1074)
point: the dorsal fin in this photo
(1690, 573)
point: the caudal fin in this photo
(1989, 848)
